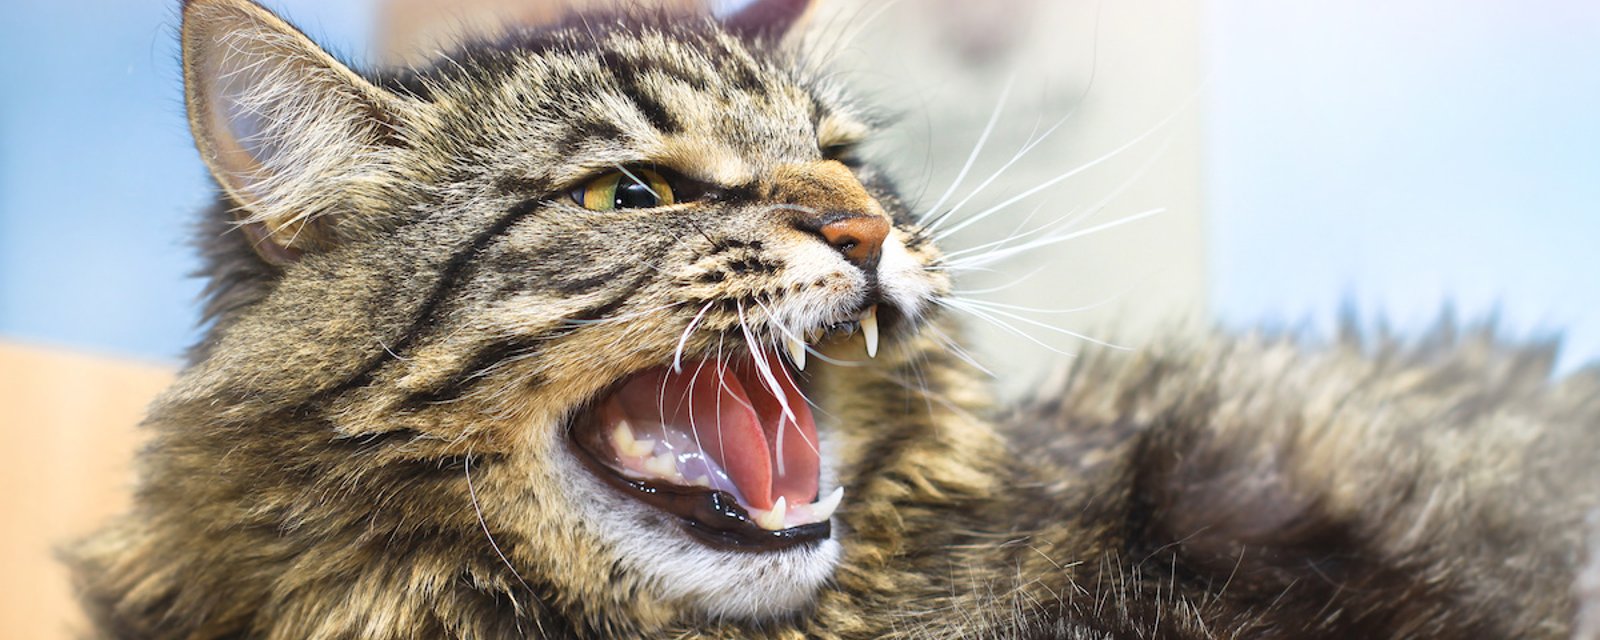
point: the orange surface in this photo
(65, 466)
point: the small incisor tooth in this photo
(869, 330)
(823, 509)
(797, 353)
(773, 520)
(663, 466)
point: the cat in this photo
(607, 330)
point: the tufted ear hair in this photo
(761, 19)
(295, 138)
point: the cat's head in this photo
(588, 299)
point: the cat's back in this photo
(1368, 487)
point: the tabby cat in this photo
(606, 330)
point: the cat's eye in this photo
(633, 189)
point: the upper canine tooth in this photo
(797, 353)
(773, 520)
(823, 509)
(869, 329)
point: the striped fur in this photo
(406, 311)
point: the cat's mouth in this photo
(727, 444)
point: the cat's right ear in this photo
(294, 137)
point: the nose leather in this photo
(832, 204)
(859, 238)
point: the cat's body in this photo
(429, 323)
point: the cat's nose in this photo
(859, 238)
(828, 201)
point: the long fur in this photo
(371, 441)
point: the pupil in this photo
(632, 195)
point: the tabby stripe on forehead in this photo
(519, 347)
(449, 279)
(627, 75)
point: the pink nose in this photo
(859, 238)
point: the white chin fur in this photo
(721, 584)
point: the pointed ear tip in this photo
(216, 8)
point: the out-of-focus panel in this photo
(66, 467)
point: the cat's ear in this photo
(294, 136)
(761, 19)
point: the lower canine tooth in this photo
(823, 509)
(869, 329)
(773, 520)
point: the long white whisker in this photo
(968, 293)
(957, 351)
(1013, 237)
(694, 429)
(1080, 169)
(1012, 307)
(637, 181)
(981, 315)
(974, 304)
(778, 391)
(999, 107)
(677, 355)
(1067, 222)
(472, 491)
(996, 256)
(1018, 156)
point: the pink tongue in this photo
(737, 421)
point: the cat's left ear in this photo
(760, 19)
(301, 143)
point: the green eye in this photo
(617, 190)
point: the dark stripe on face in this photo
(627, 76)
(552, 268)
(519, 347)
(452, 276)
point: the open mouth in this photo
(727, 444)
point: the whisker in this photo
(987, 309)
(677, 355)
(977, 149)
(472, 491)
(996, 256)
(1016, 157)
(1012, 307)
(981, 315)
(1162, 124)
(956, 350)
(1067, 222)
(968, 293)
(636, 180)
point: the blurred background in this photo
(1238, 162)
